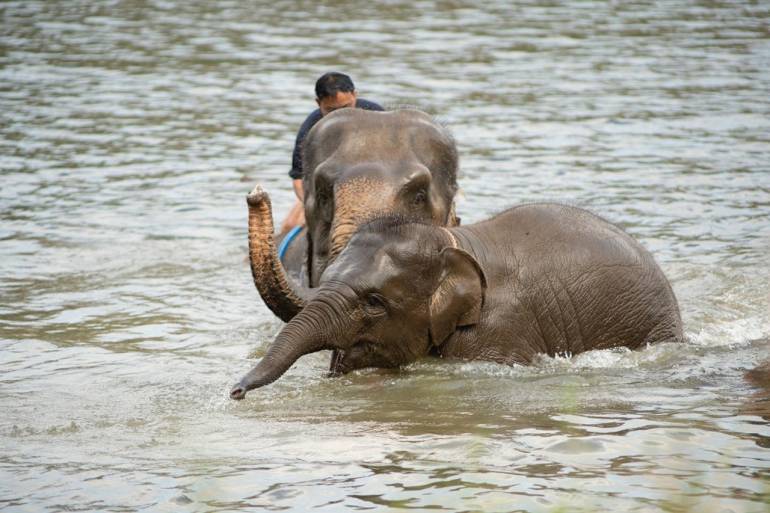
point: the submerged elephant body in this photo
(539, 278)
(358, 165)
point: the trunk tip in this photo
(256, 196)
(238, 392)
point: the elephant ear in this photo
(459, 296)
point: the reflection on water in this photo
(129, 135)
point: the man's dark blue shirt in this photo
(310, 121)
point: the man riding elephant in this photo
(333, 91)
(356, 164)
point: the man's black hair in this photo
(332, 83)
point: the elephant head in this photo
(394, 294)
(359, 165)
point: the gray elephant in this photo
(539, 278)
(358, 165)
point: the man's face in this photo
(340, 101)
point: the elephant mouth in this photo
(338, 366)
(364, 353)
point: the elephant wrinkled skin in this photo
(539, 278)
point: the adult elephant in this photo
(358, 165)
(539, 278)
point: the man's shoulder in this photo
(368, 105)
(311, 120)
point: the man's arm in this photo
(297, 184)
(296, 215)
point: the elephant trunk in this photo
(363, 199)
(357, 202)
(311, 330)
(276, 288)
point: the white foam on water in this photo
(731, 333)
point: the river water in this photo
(130, 133)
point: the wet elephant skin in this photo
(540, 278)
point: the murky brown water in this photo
(129, 135)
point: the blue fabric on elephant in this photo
(286, 242)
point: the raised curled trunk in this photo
(279, 292)
(311, 330)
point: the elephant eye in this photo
(420, 197)
(375, 304)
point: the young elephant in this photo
(539, 278)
